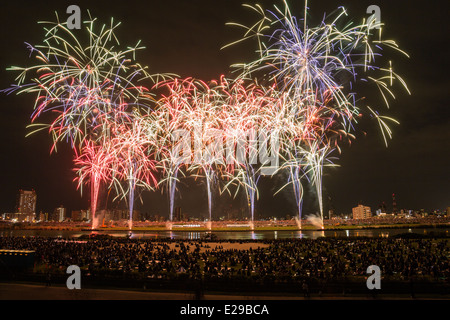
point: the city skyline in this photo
(236, 211)
(414, 166)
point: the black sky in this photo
(185, 37)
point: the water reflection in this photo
(227, 235)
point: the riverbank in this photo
(285, 228)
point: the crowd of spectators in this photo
(282, 260)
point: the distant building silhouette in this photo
(80, 215)
(178, 215)
(394, 204)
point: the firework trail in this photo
(87, 84)
(79, 84)
(317, 68)
(134, 147)
(298, 96)
(93, 166)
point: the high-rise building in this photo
(178, 214)
(43, 216)
(361, 212)
(59, 214)
(26, 204)
(80, 215)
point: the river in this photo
(233, 235)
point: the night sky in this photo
(185, 37)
